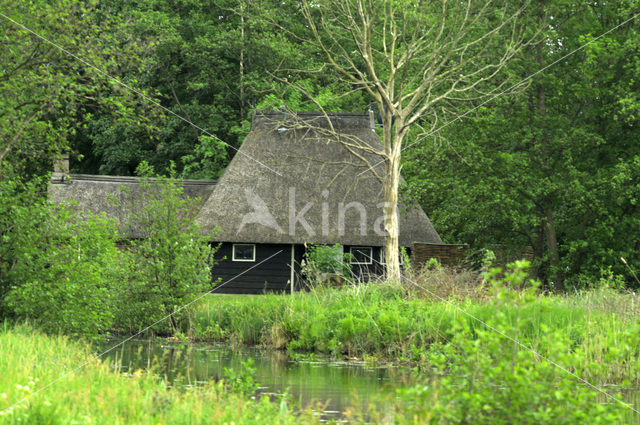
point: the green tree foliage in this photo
(56, 264)
(169, 263)
(554, 167)
(206, 62)
(207, 161)
(62, 269)
(211, 64)
(47, 95)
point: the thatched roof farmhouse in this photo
(292, 183)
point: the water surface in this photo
(322, 380)
(317, 380)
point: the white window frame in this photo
(233, 253)
(370, 256)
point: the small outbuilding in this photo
(297, 180)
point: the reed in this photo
(96, 393)
(386, 322)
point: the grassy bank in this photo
(95, 394)
(386, 323)
(468, 372)
(477, 390)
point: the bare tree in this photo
(418, 60)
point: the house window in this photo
(361, 255)
(244, 252)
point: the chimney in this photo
(372, 121)
(61, 168)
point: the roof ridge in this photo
(133, 179)
(270, 119)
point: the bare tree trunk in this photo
(392, 138)
(414, 60)
(391, 224)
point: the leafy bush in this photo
(484, 379)
(479, 374)
(323, 261)
(21, 212)
(62, 269)
(243, 380)
(169, 265)
(489, 378)
(55, 262)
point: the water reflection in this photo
(331, 383)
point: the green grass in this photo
(385, 323)
(95, 394)
(474, 373)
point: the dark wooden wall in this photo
(274, 274)
(271, 276)
(448, 255)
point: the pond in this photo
(317, 380)
(308, 382)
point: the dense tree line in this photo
(553, 164)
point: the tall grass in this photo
(95, 394)
(386, 322)
(483, 388)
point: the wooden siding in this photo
(272, 275)
(448, 255)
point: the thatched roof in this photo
(286, 164)
(301, 163)
(116, 196)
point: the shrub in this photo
(484, 379)
(323, 261)
(61, 268)
(55, 262)
(243, 380)
(489, 378)
(21, 212)
(481, 375)
(170, 265)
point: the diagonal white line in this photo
(95, 357)
(512, 339)
(459, 117)
(138, 92)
